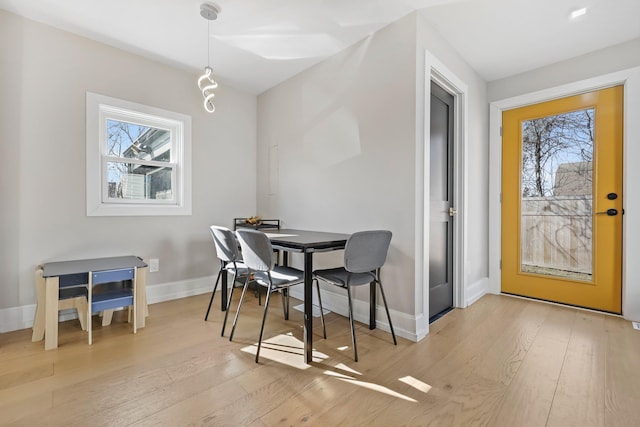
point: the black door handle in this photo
(609, 212)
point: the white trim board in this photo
(631, 199)
(16, 318)
(436, 71)
(337, 303)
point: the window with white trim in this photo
(138, 159)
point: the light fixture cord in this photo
(209, 43)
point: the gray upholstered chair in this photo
(259, 258)
(364, 254)
(228, 252)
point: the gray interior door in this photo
(441, 199)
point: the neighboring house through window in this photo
(138, 159)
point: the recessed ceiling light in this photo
(578, 13)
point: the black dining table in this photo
(308, 243)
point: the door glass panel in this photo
(556, 200)
(438, 250)
(439, 182)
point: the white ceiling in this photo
(500, 38)
(256, 44)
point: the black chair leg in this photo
(264, 318)
(215, 287)
(226, 312)
(256, 292)
(353, 330)
(324, 329)
(386, 307)
(235, 319)
(285, 303)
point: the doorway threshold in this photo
(577, 307)
(439, 315)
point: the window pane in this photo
(138, 182)
(556, 204)
(132, 141)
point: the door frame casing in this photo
(436, 71)
(630, 79)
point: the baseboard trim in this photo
(16, 318)
(181, 289)
(403, 324)
(476, 290)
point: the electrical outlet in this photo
(154, 265)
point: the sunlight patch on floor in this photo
(285, 349)
(371, 386)
(344, 367)
(338, 375)
(415, 383)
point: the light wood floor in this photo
(501, 362)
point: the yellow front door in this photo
(562, 200)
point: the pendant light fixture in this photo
(206, 83)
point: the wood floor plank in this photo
(580, 395)
(528, 398)
(622, 385)
(14, 412)
(26, 374)
(490, 367)
(501, 362)
(466, 355)
(503, 359)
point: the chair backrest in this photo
(257, 251)
(366, 250)
(226, 243)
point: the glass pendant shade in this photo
(207, 85)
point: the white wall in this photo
(346, 145)
(615, 58)
(45, 75)
(615, 65)
(347, 133)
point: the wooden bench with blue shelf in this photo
(104, 283)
